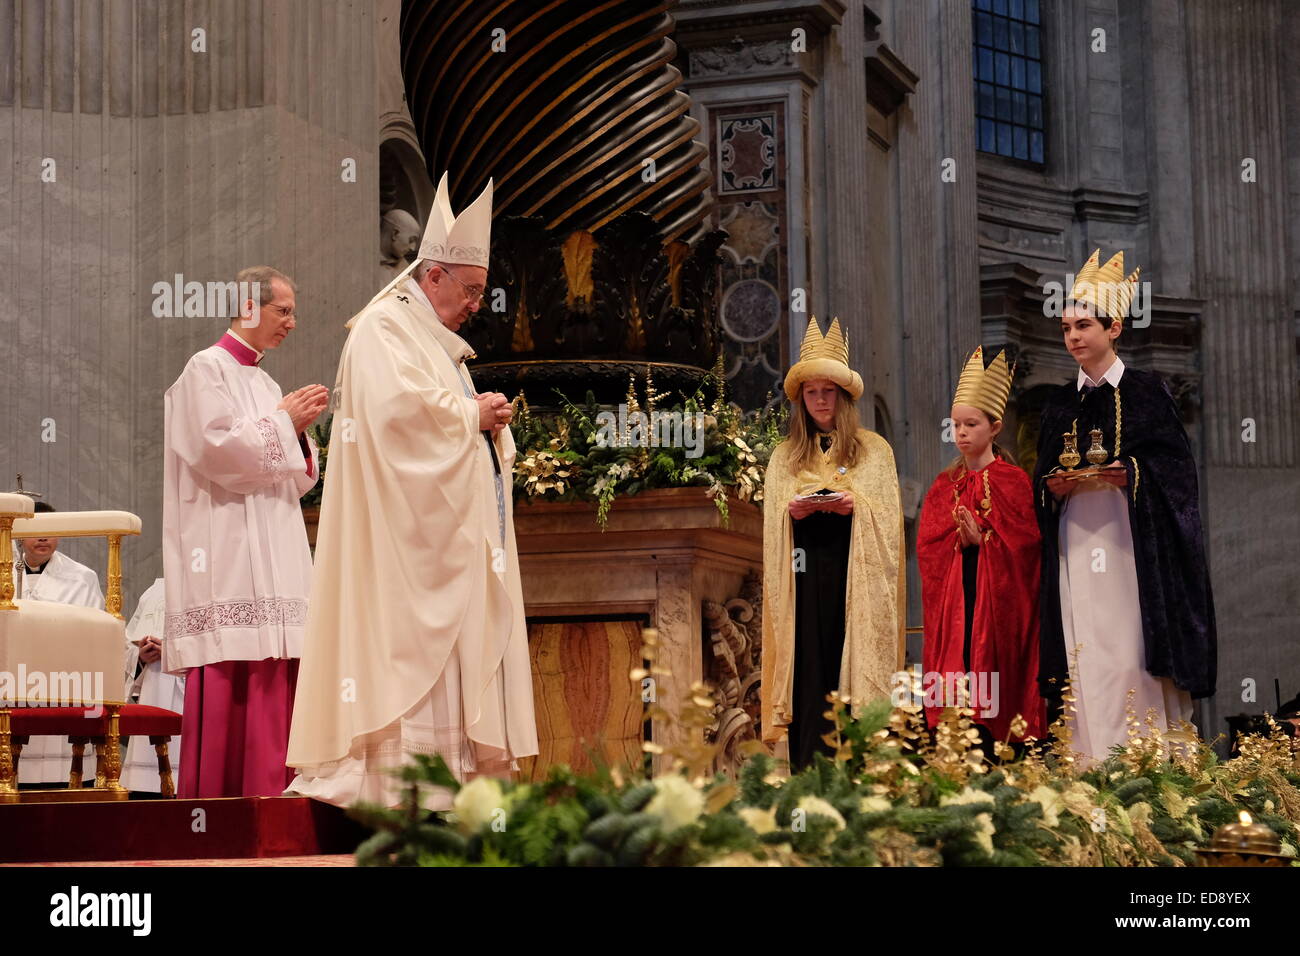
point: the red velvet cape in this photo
(1004, 634)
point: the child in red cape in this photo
(978, 551)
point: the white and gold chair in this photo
(46, 651)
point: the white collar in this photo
(1111, 375)
(413, 287)
(51, 563)
(456, 347)
(242, 341)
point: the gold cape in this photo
(875, 599)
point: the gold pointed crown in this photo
(823, 356)
(985, 388)
(1104, 287)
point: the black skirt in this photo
(819, 593)
(970, 563)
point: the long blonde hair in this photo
(803, 433)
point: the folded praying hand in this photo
(494, 411)
(305, 404)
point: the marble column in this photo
(1238, 97)
(192, 137)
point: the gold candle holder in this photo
(1244, 843)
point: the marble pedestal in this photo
(662, 555)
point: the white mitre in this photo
(455, 240)
(470, 235)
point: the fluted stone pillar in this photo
(167, 151)
(1238, 96)
(841, 195)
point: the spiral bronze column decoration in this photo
(601, 195)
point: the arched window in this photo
(1008, 66)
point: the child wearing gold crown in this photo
(833, 554)
(1127, 607)
(977, 548)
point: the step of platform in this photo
(227, 829)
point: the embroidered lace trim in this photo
(211, 617)
(273, 454)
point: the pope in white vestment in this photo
(416, 640)
(58, 578)
(236, 564)
(155, 688)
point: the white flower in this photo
(874, 805)
(816, 806)
(966, 796)
(983, 821)
(1078, 799)
(984, 831)
(676, 803)
(479, 803)
(760, 821)
(1049, 800)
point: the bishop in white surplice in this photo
(236, 562)
(153, 686)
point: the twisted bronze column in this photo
(572, 107)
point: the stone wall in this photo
(165, 160)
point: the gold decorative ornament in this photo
(1096, 453)
(1244, 843)
(1069, 457)
(823, 356)
(1119, 421)
(985, 388)
(1105, 287)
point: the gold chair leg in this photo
(100, 775)
(112, 762)
(78, 753)
(164, 766)
(8, 764)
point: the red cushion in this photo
(134, 720)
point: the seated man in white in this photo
(50, 575)
(154, 687)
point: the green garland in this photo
(886, 798)
(572, 455)
(565, 455)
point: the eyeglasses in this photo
(474, 292)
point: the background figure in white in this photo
(155, 688)
(49, 575)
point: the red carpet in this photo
(320, 860)
(231, 829)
